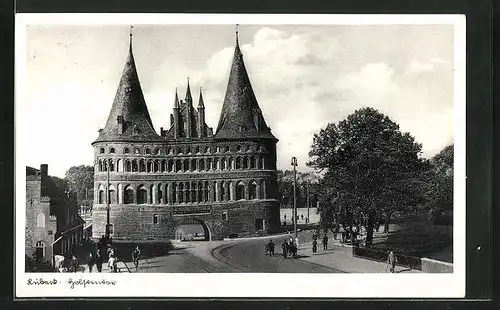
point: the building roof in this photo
(129, 104)
(241, 116)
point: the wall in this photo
(435, 266)
(286, 214)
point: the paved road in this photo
(250, 257)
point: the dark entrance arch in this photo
(182, 223)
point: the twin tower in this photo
(148, 184)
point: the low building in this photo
(53, 225)
(304, 216)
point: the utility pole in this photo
(308, 201)
(294, 164)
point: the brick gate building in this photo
(225, 181)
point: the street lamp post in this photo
(294, 164)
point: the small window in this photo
(136, 151)
(49, 232)
(259, 224)
(101, 150)
(157, 151)
(197, 150)
(155, 219)
(227, 149)
(148, 151)
(188, 150)
(224, 215)
(112, 150)
(126, 150)
(238, 148)
(207, 150)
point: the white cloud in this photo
(417, 67)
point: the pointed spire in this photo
(129, 106)
(240, 105)
(237, 39)
(130, 39)
(188, 92)
(176, 102)
(201, 104)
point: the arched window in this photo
(214, 191)
(142, 195)
(40, 220)
(156, 166)
(101, 150)
(155, 219)
(136, 151)
(151, 193)
(238, 148)
(171, 166)
(160, 194)
(40, 250)
(193, 192)
(135, 167)
(209, 164)
(186, 165)
(240, 190)
(112, 195)
(128, 166)
(260, 163)
(142, 165)
(207, 150)
(216, 164)
(188, 150)
(226, 148)
(164, 166)
(197, 149)
(119, 166)
(126, 150)
(112, 150)
(101, 197)
(148, 150)
(200, 192)
(178, 165)
(205, 192)
(100, 166)
(223, 164)
(111, 165)
(188, 192)
(238, 162)
(202, 164)
(252, 162)
(128, 195)
(252, 190)
(230, 164)
(222, 191)
(245, 163)
(150, 166)
(180, 196)
(194, 165)
(174, 192)
(157, 151)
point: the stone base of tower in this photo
(219, 220)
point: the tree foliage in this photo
(81, 181)
(371, 169)
(439, 181)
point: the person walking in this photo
(91, 261)
(270, 247)
(112, 263)
(284, 248)
(135, 256)
(325, 243)
(391, 261)
(74, 263)
(98, 259)
(315, 246)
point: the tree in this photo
(81, 180)
(440, 184)
(371, 169)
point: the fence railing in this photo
(412, 262)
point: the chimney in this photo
(44, 169)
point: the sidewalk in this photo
(340, 257)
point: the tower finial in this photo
(130, 34)
(237, 29)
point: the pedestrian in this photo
(391, 261)
(284, 247)
(315, 246)
(90, 261)
(271, 247)
(98, 259)
(135, 257)
(325, 242)
(112, 263)
(74, 263)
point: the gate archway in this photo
(185, 222)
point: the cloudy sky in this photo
(304, 77)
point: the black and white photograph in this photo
(184, 155)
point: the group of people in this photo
(105, 251)
(315, 243)
(289, 247)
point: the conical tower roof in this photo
(130, 106)
(241, 116)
